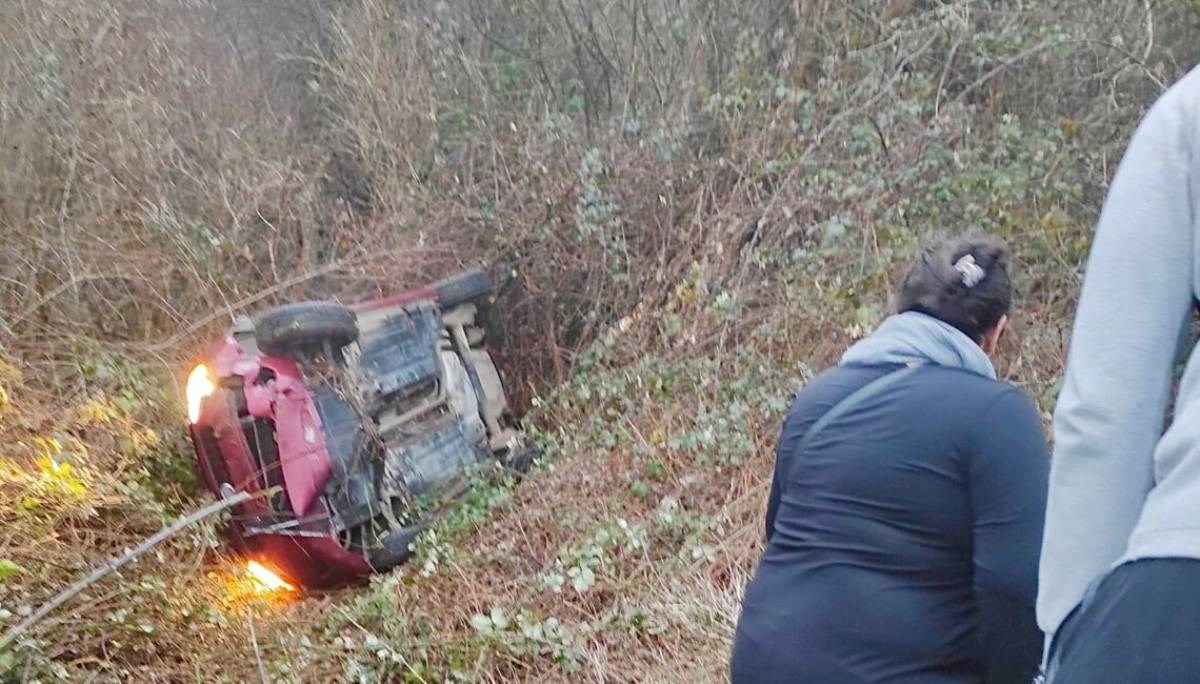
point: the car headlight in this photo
(199, 386)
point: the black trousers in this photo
(1141, 625)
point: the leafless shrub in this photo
(164, 165)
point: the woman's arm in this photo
(773, 502)
(1007, 480)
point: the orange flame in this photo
(199, 386)
(265, 581)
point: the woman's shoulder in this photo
(978, 396)
(841, 380)
(942, 385)
(824, 390)
(984, 402)
(965, 380)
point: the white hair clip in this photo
(972, 273)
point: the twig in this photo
(879, 94)
(1020, 56)
(359, 256)
(115, 564)
(1149, 31)
(57, 291)
(262, 670)
(937, 100)
(247, 301)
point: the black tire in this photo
(467, 286)
(393, 549)
(520, 461)
(284, 330)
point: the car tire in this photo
(521, 460)
(286, 329)
(465, 287)
(394, 549)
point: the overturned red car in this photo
(352, 418)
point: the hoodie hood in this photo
(916, 338)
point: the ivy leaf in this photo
(482, 624)
(582, 579)
(835, 230)
(498, 618)
(8, 568)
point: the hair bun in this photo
(963, 282)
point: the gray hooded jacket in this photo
(1120, 488)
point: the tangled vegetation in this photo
(692, 206)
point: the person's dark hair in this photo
(963, 282)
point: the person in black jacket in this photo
(905, 516)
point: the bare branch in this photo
(117, 563)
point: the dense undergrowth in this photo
(696, 206)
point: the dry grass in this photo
(696, 205)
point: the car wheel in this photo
(521, 460)
(294, 328)
(393, 549)
(462, 288)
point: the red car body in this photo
(224, 457)
(259, 429)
